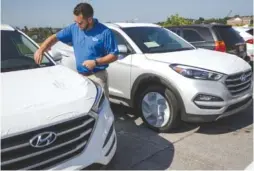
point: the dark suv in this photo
(218, 37)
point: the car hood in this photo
(202, 58)
(37, 97)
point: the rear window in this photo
(250, 31)
(228, 35)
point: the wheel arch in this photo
(154, 79)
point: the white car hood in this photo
(33, 98)
(202, 58)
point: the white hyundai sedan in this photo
(52, 118)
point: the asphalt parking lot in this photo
(226, 144)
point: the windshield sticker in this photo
(151, 44)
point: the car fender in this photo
(147, 77)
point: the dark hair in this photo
(85, 9)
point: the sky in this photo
(58, 13)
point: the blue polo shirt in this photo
(89, 44)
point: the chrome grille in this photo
(72, 137)
(239, 83)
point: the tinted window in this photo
(156, 40)
(228, 35)
(177, 31)
(250, 31)
(205, 33)
(192, 35)
(17, 52)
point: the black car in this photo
(217, 37)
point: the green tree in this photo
(200, 20)
(26, 29)
(176, 20)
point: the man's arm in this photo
(111, 49)
(49, 42)
(106, 59)
(64, 35)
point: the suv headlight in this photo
(196, 73)
(100, 97)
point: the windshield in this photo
(156, 40)
(17, 52)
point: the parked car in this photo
(218, 37)
(166, 79)
(52, 118)
(247, 35)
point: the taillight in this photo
(220, 46)
(250, 41)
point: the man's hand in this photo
(38, 55)
(90, 64)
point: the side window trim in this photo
(194, 31)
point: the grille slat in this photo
(46, 150)
(236, 77)
(55, 158)
(59, 127)
(70, 135)
(241, 89)
(15, 147)
(76, 128)
(239, 83)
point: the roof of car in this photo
(7, 27)
(200, 25)
(126, 24)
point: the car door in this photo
(119, 72)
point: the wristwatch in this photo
(96, 62)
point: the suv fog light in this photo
(204, 97)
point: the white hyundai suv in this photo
(167, 79)
(52, 118)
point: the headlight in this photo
(100, 97)
(196, 73)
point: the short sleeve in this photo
(65, 35)
(110, 44)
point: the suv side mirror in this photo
(57, 56)
(122, 49)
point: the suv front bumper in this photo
(101, 147)
(207, 111)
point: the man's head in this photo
(83, 15)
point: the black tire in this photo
(174, 118)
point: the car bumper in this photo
(204, 111)
(210, 118)
(101, 147)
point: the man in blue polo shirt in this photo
(93, 43)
